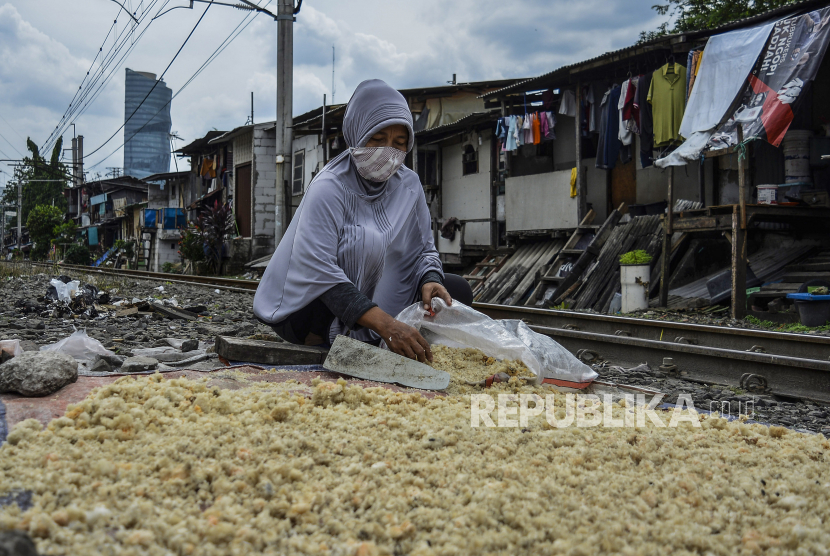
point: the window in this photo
(427, 168)
(470, 160)
(299, 164)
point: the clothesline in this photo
(650, 106)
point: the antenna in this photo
(332, 74)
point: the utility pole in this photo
(252, 108)
(75, 161)
(80, 159)
(20, 214)
(285, 135)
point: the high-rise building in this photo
(147, 132)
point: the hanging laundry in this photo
(631, 112)
(667, 96)
(501, 131)
(537, 131)
(592, 112)
(548, 100)
(696, 62)
(527, 132)
(624, 134)
(608, 151)
(573, 183)
(551, 134)
(510, 144)
(568, 105)
(208, 168)
(645, 123)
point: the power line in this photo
(10, 144)
(219, 49)
(101, 78)
(11, 128)
(154, 84)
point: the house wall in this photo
(466, 197)
(263, 190)
(540, 202)
(313, 158)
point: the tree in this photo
(697, 15)
(51, 179)
(213, 225)
(44, 224)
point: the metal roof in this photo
(167, 176)
(462, 123)
(334, 108)
(199, 144)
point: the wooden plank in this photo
(268, 353)
(742, 179)
(696, 223)
(738, 266)
(665, 261)
(173, 312)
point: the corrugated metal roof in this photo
(468, 120)
(692, 35)
(336, 108)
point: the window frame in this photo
(295, 179)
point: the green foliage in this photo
(792, 327)
(34, 193)
(43, 222)
(77, 254)
(636, 257)
(696, 15)
(171, 268)
(213, 225)
(191, 245)
(127, 246)
(64, 233)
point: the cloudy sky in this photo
(47, 47)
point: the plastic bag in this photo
(65, 292)
(80, 346)
(12, 347)
(461, 326)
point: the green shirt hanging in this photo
(667, 95)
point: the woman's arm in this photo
(401, 338)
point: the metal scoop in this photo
(366, 362)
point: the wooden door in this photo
(624, 184)
(243, 200)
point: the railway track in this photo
(758, 361)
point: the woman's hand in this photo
(434, 289)
(399, 337)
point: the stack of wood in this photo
(515, 280)
(599, 284)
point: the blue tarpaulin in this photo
(98, 199)
(173, 219)
(93, 236)
(149, 218)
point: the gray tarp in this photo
(726, 63)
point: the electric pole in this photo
(285, 85)
(285, 135)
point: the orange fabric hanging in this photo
(537, 133)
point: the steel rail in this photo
(794, 377)
(722, 337)
(227, 284)
(701, 353)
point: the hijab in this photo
(377, 236)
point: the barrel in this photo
(797, 156)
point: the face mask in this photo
(377, 163)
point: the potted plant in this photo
(635, 273)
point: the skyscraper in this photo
(147, 132)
